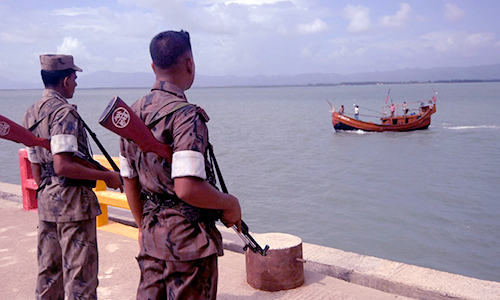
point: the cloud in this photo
(460, 42)
(315, 26)
(480, 40)
(70, 46)
(15, 37)
(253, 2)
(442, 42)
(75, 47)
(344, 52)
(359, 17)
(399, 19)
(452, 12)
(74, 11)
(310, 51)
(247, 37)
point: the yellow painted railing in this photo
(105, 197)
(113, 198)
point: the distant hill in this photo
(9, 84)
(481, 73)
(108, 79)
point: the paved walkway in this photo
(119, 274)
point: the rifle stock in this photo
(12, 131)
(119, 118)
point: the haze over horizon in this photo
(252, 37)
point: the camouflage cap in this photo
(58, 62)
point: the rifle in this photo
(244, 234)
(119, 118)
(12, 131)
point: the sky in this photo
(252, 37)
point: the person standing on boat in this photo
(341, 110)
(67, 206)
(405, 109)
(173, 203)
(356, 112)
(393, 109)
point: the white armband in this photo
(63, 143)
(188, 163)
(126, 170)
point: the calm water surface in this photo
(429, 198)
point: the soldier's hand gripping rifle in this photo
(12, 131)
(120, 119)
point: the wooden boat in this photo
(404, 122)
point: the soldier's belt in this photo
(192, 213)
(47, 172)
(165, 200)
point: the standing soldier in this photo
(67, 206)
(174, 205)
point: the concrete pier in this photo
(329, 273)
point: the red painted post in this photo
(28, 184)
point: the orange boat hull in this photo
(419, 121)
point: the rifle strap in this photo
(91, 133)
(101, 147)
(177, 107)
(34, 126)
(217, 169)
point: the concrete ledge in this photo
(397, 278)
(11, 192)
(385, 275)
(380, 274)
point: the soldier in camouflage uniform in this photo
(67, 206)
(175, 205)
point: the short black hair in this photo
(166, 47)
(53, 78)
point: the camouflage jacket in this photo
(167, 233)
(61, 124)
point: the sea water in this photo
(428, 198)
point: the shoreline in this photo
(291, 85)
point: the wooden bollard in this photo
(281, 269)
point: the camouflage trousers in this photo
(177, 280)
(67, 260)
